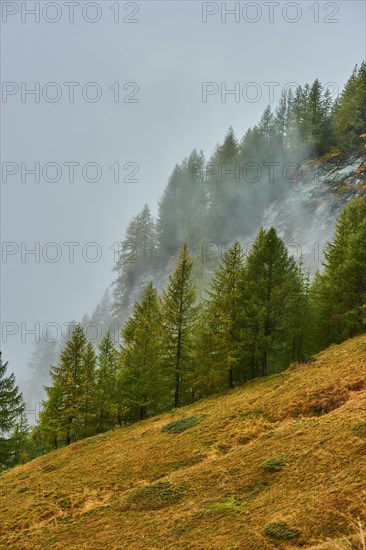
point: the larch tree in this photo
(141, 357)
(179, 317)
(136, 252)
(271, 289)
(338, 292)
(169, 219)
(219, 345)
(223, 185)
(350, 111)
(106, 383)
(87, 397)
(68, 408)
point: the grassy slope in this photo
(84, 496)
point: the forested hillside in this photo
(211, 294)
(260, 314)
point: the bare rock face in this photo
(306, 216)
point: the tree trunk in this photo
(177, 389)
(101, 417)
(231, 382)
(177, 371)
(264, 364)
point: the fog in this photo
(156, 61)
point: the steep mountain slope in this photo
(277, 463)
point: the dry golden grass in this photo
(205, 488)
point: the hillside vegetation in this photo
(277, 463)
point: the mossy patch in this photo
(156, 495)
(226, 507)
(182, 424)
(360, 429)
(281, 531)
(275, 463)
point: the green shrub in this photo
(156, 495)
(181, 424)
(360, 428)
(281, 531)
(275, 463)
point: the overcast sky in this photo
(156, 57)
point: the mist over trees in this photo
(222, 198)
(211, 327)
(259, 315)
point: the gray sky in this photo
(168, 53)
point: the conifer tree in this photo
(192, 200)
(223, 184)
(102, 314)
(141, 357)
(45, 354)
(50, 432)
(219, 345)
(300, 317)
(281, 118)
(69, 408)
(87, 397)
(350, 111)
(136, 253)
(338, 292)
(168, 222)
(352, 288)
(106, 383)
(179, 316)
(13, 426)
(271, 289)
